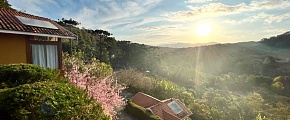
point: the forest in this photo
(246, 80)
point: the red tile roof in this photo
(168, 116)
(144, 100)
(9, 23)
(161, 108)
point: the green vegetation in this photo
(98, 44)
(95, 43)
(4, 4)
(281, 85)
(279, 41)
(140, 112)
(96, 79)
(233, 96)
(229, 96)
(96, 68)
(48, 100)
(32, 92)
(242, 81)
(222, 81)
(13, 75)
(159, 88)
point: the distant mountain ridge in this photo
(280, 41)
(186, 45)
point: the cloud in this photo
(106, 12)
(197, 1)
(258, 17)
(143, 22)
(44, 7)
(160, 27)
(212, 9)
(31, 6)
(116, 10)
(218, 9)
(278, 18)
(274, 32)
(269, 4)
(268, 18)
(231, 22)
(261, 17)
(159, 34)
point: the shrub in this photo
(278, 79)
(12, 75)
(97, 68)
(262, 80)
(278, 87)
(98, 84)
(159, 88)
(140, 112)
(48, 100)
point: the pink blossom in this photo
(103, 90)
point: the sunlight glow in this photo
(203, 29)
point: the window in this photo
(45, 55)
(174, 107)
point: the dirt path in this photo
(122, 114)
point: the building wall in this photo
(12, 49)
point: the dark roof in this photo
(9, 23)
(161, 108)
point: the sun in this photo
(203, 29)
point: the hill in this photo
(266, 57)
(245, 80)
(279, 41)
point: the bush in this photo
(140, 112)
(12, 75)
(96, 79)
(278, 79)
(278, 87)
(48, 100)
(159, 88)
(97, 68)
(262, 80)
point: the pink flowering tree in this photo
(96, 78)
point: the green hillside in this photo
(247, 80)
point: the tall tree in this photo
(68, 22)
(103, 54)
(4, 4)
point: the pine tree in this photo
(4, 4)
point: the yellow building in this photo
(26, 38)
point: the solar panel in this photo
(174, 107)
(37, 23)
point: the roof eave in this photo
(38, 34)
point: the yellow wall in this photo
(12, 49)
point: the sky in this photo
(157, 22)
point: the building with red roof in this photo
(169, 109)
(26, 38)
